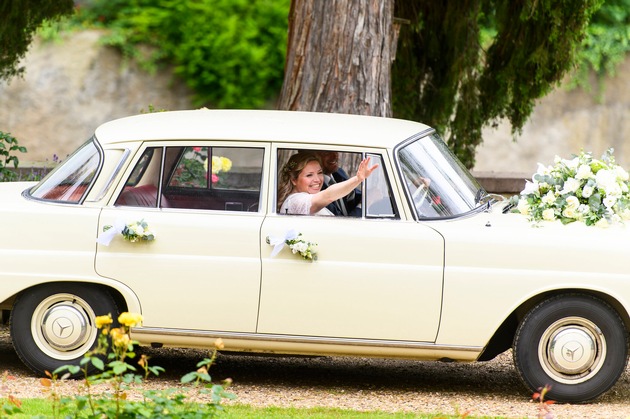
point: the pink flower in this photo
(215, 178)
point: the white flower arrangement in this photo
(293, 239)
(585, 189)
(137, 231)
(132, 232)
(305, 248)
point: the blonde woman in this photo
(301, 180)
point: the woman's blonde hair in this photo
(291, 170)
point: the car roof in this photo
(259, 125)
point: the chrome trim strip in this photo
(115, 172)
(97, 173)
(302, 339)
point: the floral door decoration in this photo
(137, 231)
(297, 245)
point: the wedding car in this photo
(173, 215)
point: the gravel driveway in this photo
(490, 388)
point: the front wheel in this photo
(53, 325)
(576, 344)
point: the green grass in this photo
(42, 408)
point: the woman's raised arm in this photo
(341, 189)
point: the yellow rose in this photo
(130, 319)
(226, 164)
(102, 321)
(144, 361)
(119, 338)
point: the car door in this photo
(375, 278)
(202, 271)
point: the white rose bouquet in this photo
(137, 231)
(298, 246)
(132, 232)
(593, 191)
(302, 247)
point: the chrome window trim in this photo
(115, 172)
(99, 167)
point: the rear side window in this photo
(196, 177)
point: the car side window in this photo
(336, 166)
(141, 188)
(196, 177)
(378, 193)
(213, 178)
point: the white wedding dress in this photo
(300, 203)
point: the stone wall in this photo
(563, 123)
(71, 87)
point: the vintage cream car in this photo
(443, 272)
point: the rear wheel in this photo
(54, 324)
(577, 344)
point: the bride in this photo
(301, 180)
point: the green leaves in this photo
(19, 19)
(607, 42)
(230, 52)
(8, 146)
(461, 68)
(119, 374)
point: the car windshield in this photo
(70, 181)
(436, 182)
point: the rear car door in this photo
(202, 271)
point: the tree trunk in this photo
(339, 56)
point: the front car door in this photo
(376, 278)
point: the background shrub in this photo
(230, 52)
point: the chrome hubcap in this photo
(572, 350)
(63, 326)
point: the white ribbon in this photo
(278, 242)
(108, 235)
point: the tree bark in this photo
(339, 57)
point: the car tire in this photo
(53, 325)
(577, 345)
